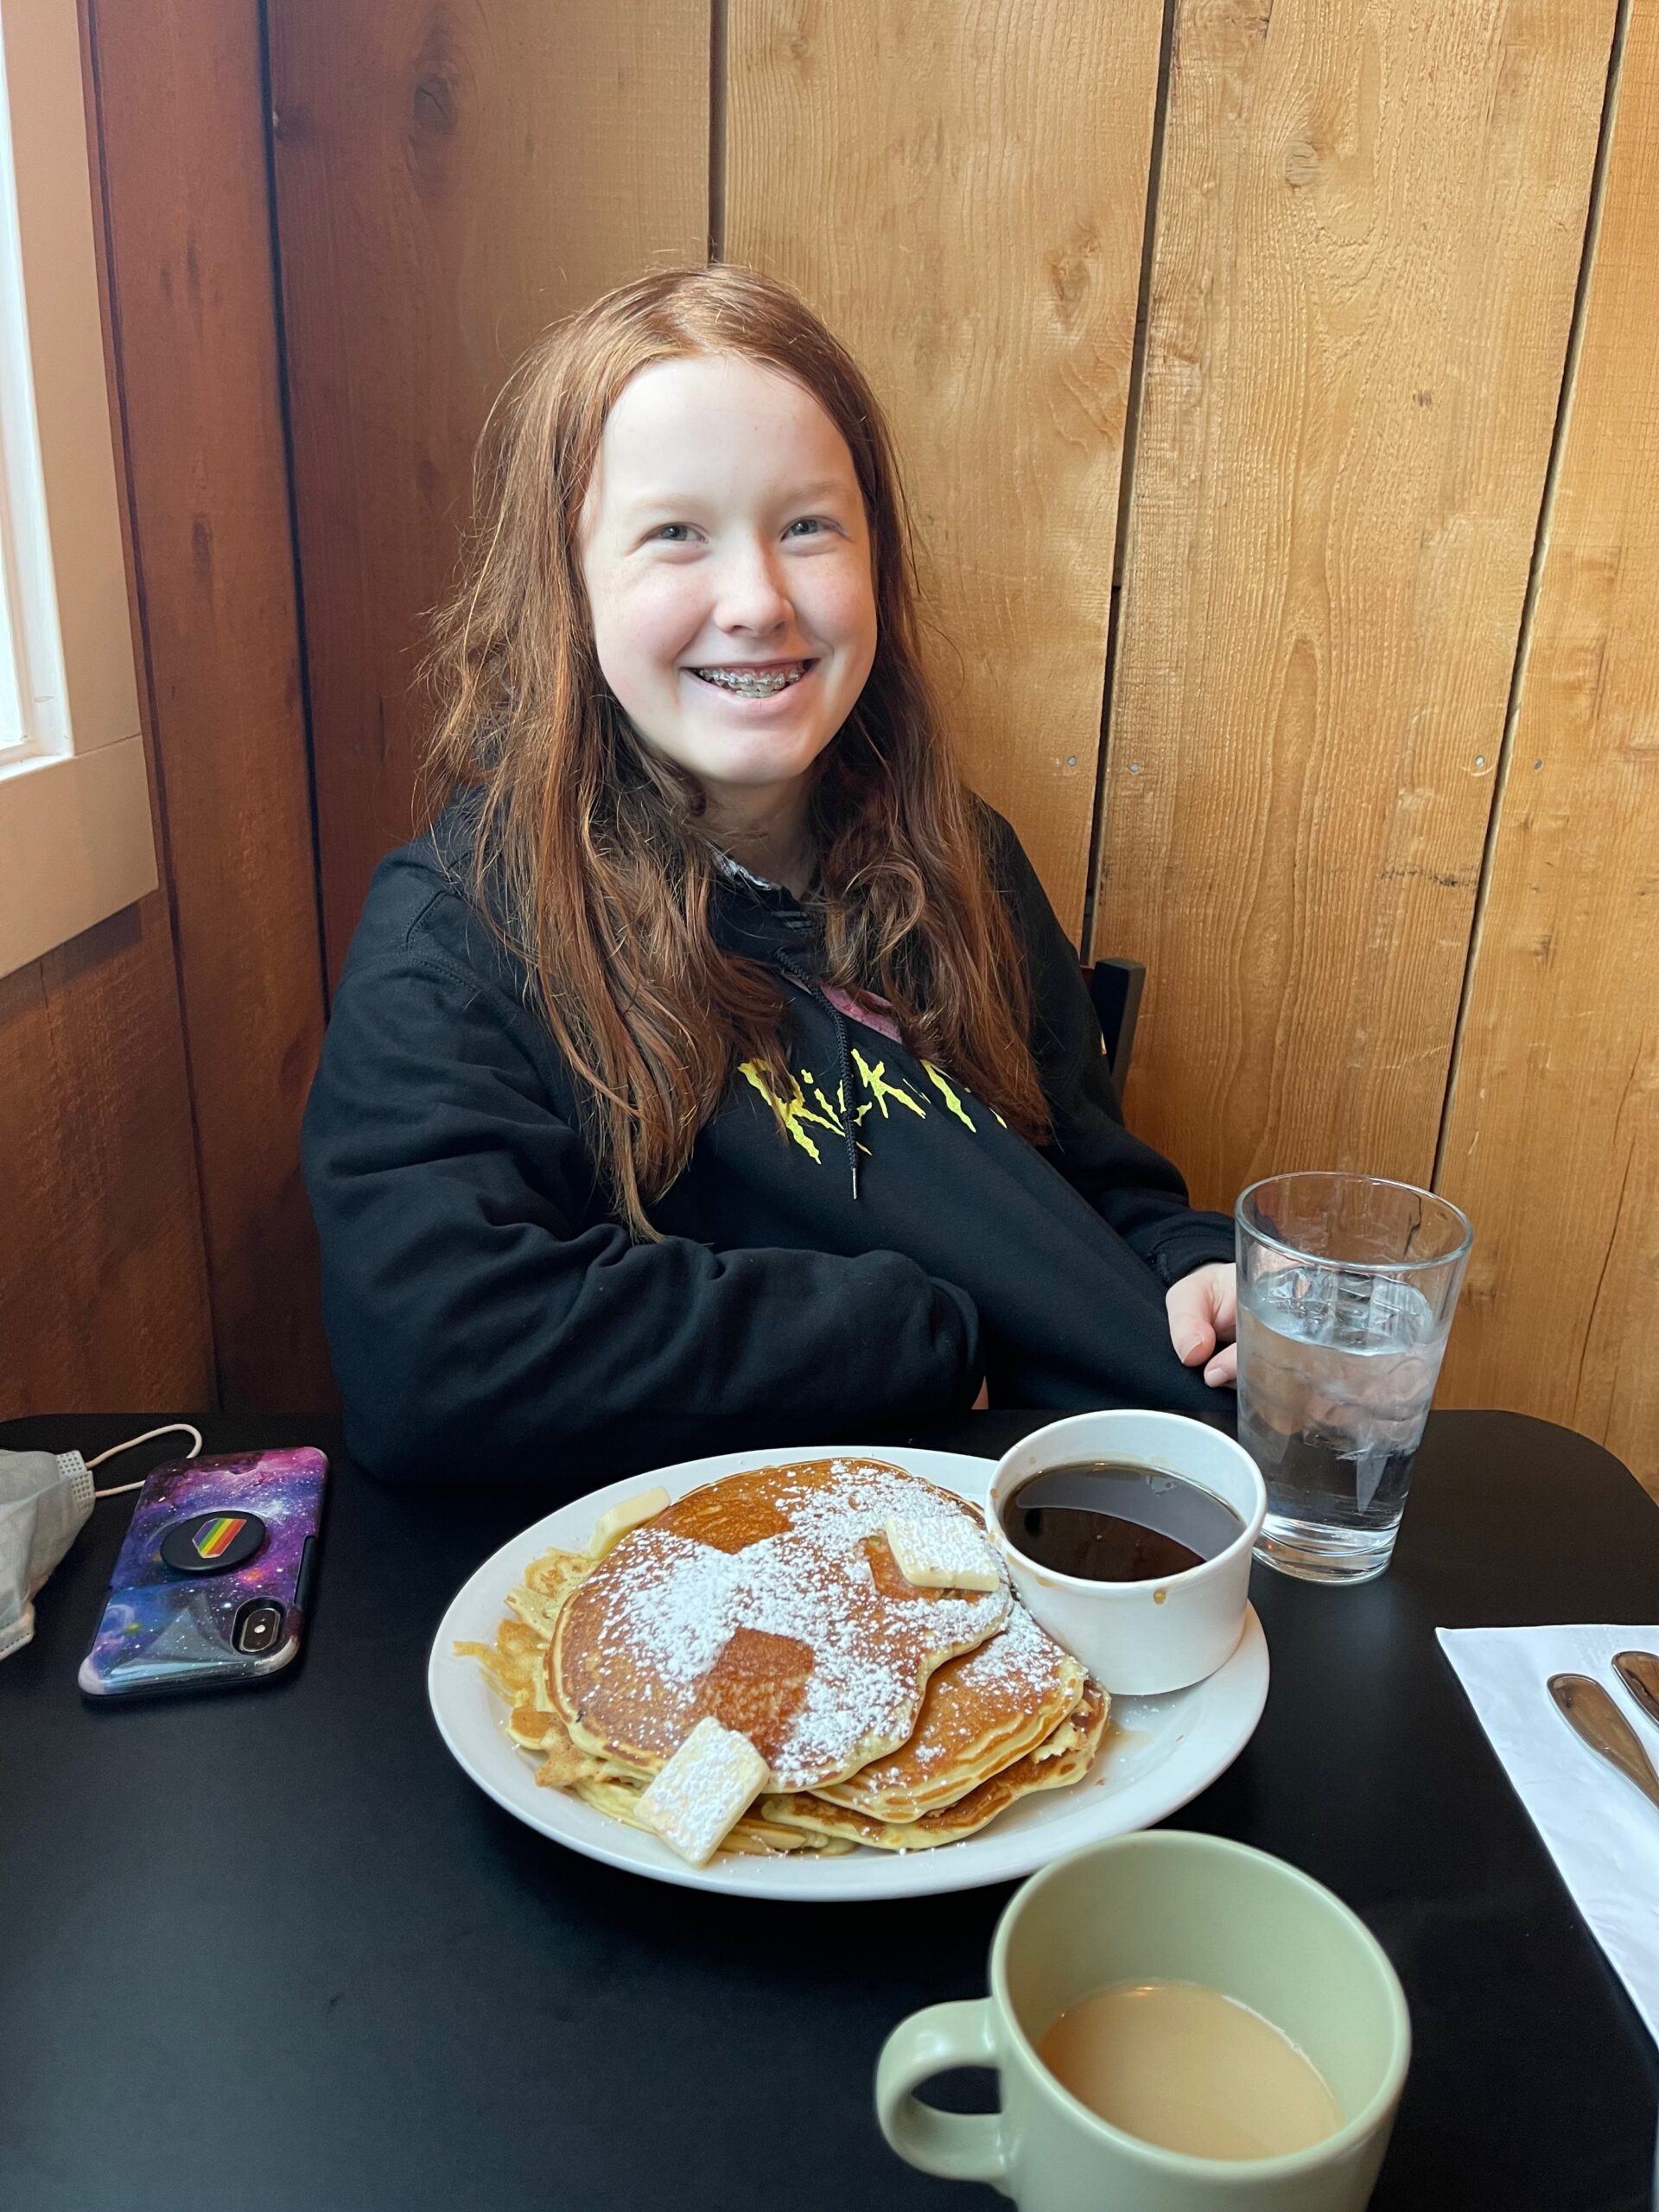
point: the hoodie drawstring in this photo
(803, 982)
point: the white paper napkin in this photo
(1600, 1831)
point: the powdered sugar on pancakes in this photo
(1020, 1667)
(806, 1639)
(1022, 1660)
(981, 1712)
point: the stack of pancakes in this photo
(888, 1714)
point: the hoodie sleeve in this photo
(1133, 1189)
(484, 1318)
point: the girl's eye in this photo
(813, 524)
(674, 533)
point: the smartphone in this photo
(213, 1579)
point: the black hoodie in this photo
(488, 1314)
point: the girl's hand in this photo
(1203, 1309)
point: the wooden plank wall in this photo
(104, 1301)
(192, 312)
(1356, 301)
(448, 182)
(960, 191)
(1358, 295)
(103, 1285)
(1367, 245)
(1552, 1136)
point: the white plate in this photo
(1158, 1751)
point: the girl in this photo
(715, 1072)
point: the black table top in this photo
(273, 1949)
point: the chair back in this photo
(1116, 986)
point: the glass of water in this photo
(1346, 1288)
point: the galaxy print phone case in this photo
(213, 1579)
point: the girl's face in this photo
(726, 560)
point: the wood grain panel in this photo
(103, 1292)
(959, 187)
(1553, 1136)
(450, 180)
(1368, 233)
(193, 298)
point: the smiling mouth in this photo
(755, 682)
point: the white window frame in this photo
(33, 712)
(75, 837)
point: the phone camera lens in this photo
(258, 1626)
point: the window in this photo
(31, 686)
(75, 841)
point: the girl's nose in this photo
(749, 594)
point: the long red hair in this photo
(587, 853)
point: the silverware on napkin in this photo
(1639, 1672)
(1593, 1715)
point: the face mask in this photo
(45, 1497)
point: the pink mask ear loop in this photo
(169, 1428)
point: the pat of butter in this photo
(614, 1523)
(942, 1555)
(704, 1791)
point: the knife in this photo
(1591, 1715)
(1639, 1672)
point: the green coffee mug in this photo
(1173, 1907)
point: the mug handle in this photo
(962, 2147)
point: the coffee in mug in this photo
(1299, 1982)
(1190, 2069)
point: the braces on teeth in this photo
(751, 686)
